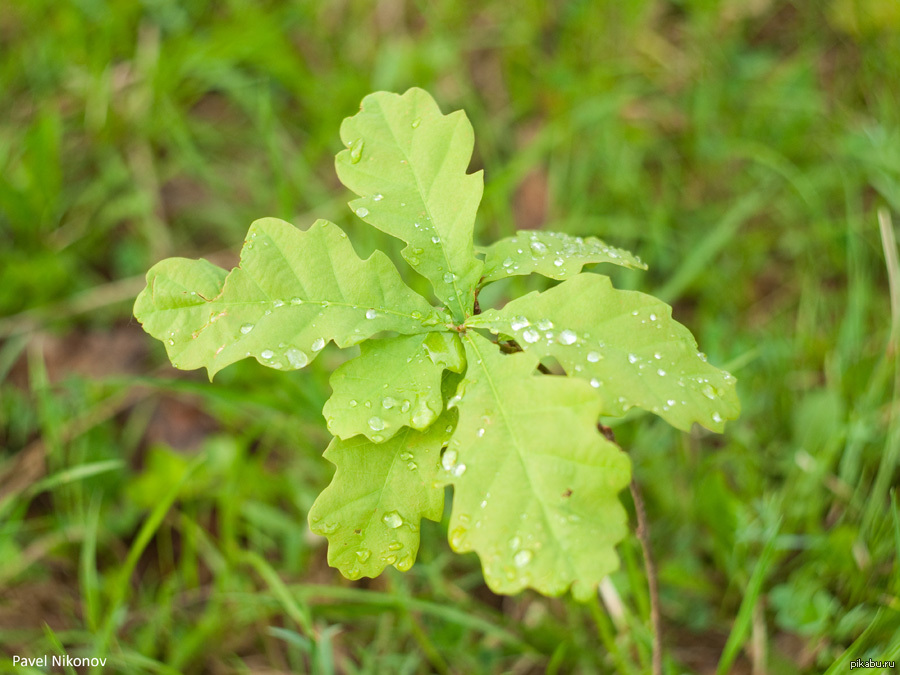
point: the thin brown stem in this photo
(643, 534)
(477, 307)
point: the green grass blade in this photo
(745, 614)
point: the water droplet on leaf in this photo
(392, 519)
(522, 558)
(518, 323)
(297, 358)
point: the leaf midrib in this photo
(457, 293)
(525, 469)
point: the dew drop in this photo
(567, 337)
(457, 537)
(395, 546)
(371, 314)
(435, 240)
(171, 342)
(531, 335)
(522, 558)
(459, 470)
(296, 358)
(422, 416)
(352, 403)
(278, 303)
(538, 247)
(377, 198)
(363, 554)
(518, 323)
(246, 328)
(558, 262)
(595, 383)
(448, 460)
(267, 353)
(716, 417)
(632, 358)
(328, 528)
(392, 519)
(318, 344)
(416, 122)
(480, 433)
(296, 301)
(376, 423)
(388, 402)
(708, 391)
(449, 278)
(593, 357)
(362, 211)
(661, 372)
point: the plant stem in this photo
(643, 534)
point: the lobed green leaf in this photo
(408, 162)
(293, 292)
(552, 254)
(625, 344)
(393, 383)
(372, 509)
(534, 483)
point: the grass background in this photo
(741, 148)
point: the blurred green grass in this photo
(741, 149)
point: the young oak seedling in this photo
(535, 484)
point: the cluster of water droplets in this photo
(450, 463)
(658, 364)
(533, 249)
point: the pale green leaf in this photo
(626, 345)
(408, 162)
(552, 254)
(393, 383)
(373, 507)
(293, 292)
(534, 483)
